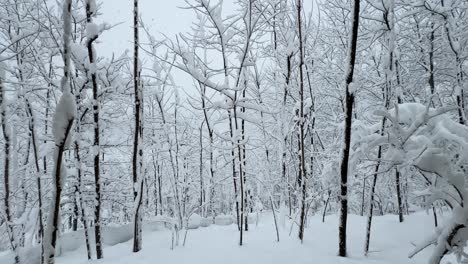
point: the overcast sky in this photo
(163, 16)
(160, 16)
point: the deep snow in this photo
(390, 243)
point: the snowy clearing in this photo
(391, 243)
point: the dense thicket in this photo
(90, 141)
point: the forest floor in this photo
(390, 243)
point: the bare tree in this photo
(137, 161)
(64, 117)
(6, 129)
(349, 101)
(301, 124)
(92, 35)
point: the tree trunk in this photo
(32, 130)
(137, 161)
(202, 187)
(234, 176)
(80, 195)
(434, 213)
(398, 189)
(326, 206)
(58, 183)
(302, 165)
(349, 100)
(96, 147)
(363, 195)
(371, 199)
(6, 173)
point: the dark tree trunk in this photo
(6, 173)
(371, 199)
(80, 197)
(363, 195)
(32, 130)
(75, 215)
(234, 176)
(326, 206)
(202, 189)
(244, 165)
(349, 101)
(155, 191)
(96, 146)
(58, 183)
(302, 166)
(399, 200)
(160, 191)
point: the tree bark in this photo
(302, 165)
(6, 172)
(96, 146)
(57, 185)
(80, 196)
(349, 100)
(137, 148)
(398, 189)
(372, 193)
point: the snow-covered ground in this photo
(390, 243)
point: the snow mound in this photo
(206, 221)
(194, 222)
(223, 220)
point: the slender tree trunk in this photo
(75, 216)
(202, 187)
(406, 196)
(80, 194)
(160, 191)
(285, 136)
(241, 179)
(372, 193)
(6, 129)
(363, 195)
(65, 111)
(96, 147)
(211, 209)
(349, 100)
(398, 189)
(244, 165)
(137, 148)
(326, 206)
(234, 176)
(302, 165)
(274, 218)
(58, 184)
(32, 130)
(431, 80)
(241, 183)
(155, 191)
(371, 202)
(47, 110)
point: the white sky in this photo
(162, 16)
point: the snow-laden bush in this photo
(206, 221)
(165, 220)
(437, 146)
(194, 222)
(223, 220)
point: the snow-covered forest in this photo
(267, 131)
